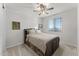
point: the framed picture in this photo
(15, 25)
(40, 26)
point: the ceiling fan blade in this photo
(50, 8)
(35, 11)
(39, 14)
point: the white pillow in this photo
(32, 31)
(39, 31)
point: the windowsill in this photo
(54, 31)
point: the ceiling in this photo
(58, 7)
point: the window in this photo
(55, 25)
(50, 25)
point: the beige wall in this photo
(27, 19)
(69, 26)
(2, 30)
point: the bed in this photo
(42, 43)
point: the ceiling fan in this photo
(42, 8)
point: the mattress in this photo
(40, 40)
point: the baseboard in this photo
(68, 43)
(15, 44)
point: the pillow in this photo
(38, 31)
(32, 31)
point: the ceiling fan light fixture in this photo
(42, 8)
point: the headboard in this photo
(26, 32)
(25, 35)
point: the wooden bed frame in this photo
(51, 46)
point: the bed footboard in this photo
(52, 46)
